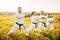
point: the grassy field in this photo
(7, 22)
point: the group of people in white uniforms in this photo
(20, 18)
(44, 23)
(34, 21)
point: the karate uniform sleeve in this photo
(37, 17)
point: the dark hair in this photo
(33, 12)
(42, 11)
(19, 7)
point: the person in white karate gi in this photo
(19, 22)
(42, 19)
(34, 21)
(50, 22)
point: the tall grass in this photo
(7, 22)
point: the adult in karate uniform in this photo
(19, 22)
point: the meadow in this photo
(8, 21)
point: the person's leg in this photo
(46, 25)
(40, 26)
(51, 26)
(31, 27)
(13, 29)
(26, 31)
(37, 27)
(10, 33)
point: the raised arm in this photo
(28, 15)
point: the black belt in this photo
(35, 24)
(44, 24)
(20, 25)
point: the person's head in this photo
(33, 13)
(42, 12)
(19, 9)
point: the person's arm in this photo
(37, 17)
(51, 17)
(46, 16)
(28, 15)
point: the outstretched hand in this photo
(28, 15)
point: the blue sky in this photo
(30, 5)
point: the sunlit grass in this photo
(8, 21)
